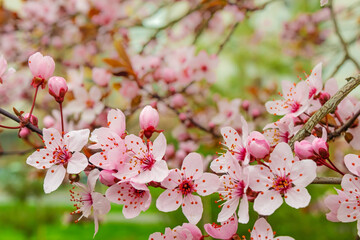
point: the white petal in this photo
(54, 177)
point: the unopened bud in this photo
(58, 88)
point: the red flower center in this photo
(282, 184)
(186, 187)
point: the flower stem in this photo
(62, 119)
(33, 103)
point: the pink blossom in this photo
(134, 196)
(263, 231)
(4, 72)
(58, 88)
(101, 76)
(294, 103)
(284, 177)
(333, 203)
(42, 68)
(149, 120)
(226, 230)
(232, 190)
(315, 80)
(228, 112)
(61, 155)
(87, 104)
(304, 149)
(145, 162)
(181, 184)
(281, 131)
(237, 143)
(86, 199)
(187, 231)
(352, 163)
(257, 145)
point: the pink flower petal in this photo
(228, 209)
(243, 212)
(262, 230)
(159, 147)
(267, 202)
(352, 162)
(54, 177)
(169, 200)
(134, 143)
(281, 159)
(172, 180)
(193, 165)
(76, 140)
(52, 138)
(77, 163)
(192, 208)
(41, 159)
(262, 178)
(303, 173)
(297, 197)
(116, 121)
(208, 183)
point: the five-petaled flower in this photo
(60, 155)
(284, 177)
(181, 184)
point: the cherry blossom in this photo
(60, 155)
(180, 185)
(284, 177)
(263, 231)
(58, 88)
(42, 68)
(237, 143)
(294, 102)
(185, 232)
(226, 230)
(281, 131)
(134, 196)
(144, 162)
(86, 199)
(232, 190)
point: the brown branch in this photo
(344, 127)
(22, 152)
(344, 45)
(16, 119)
(328, 107)
(232, 30)
(327, 180)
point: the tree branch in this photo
(16, 119)
(327, 180)
(344, 127)
(328, 107)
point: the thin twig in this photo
(226, 40)
(22, 152)
(328, 107)
(16, 119)
(344, 127)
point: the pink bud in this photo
(321, 147)
(24, 132)
(182, 116)
(106, 177)
(245, 105)
(33, 120)
(58, 88)
(101, 76)
(258, 146)
(149, 120)
(168, 75)
(255, 113)
(304, 150)
(324, 97)
(178, 101)
(42, 68)
(48, 122)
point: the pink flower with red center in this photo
(281, 131)
(182, 183)
(112, 146)
(144, 162)
(236, 143)
(263, 231)
(60, 155)
(294, 102)
(86, 199)
(284, 177)
(134, 196)
(187, 231)
(226, 230)
(232, 190)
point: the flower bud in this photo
(321, 147)
(106, 177)
(48, 121)
(304, 150)
(258, 146)
(101, 76)
(245, 105)
(178, 101)
(168, 75)
(42, 68)
(24, 131)
(58, 88)
(149, 120)
(324, 97)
